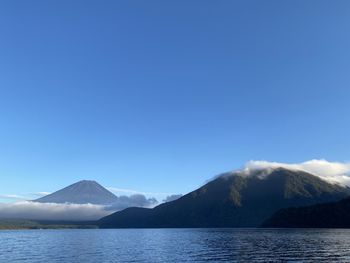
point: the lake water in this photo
(176, 245)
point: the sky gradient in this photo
(160, 96)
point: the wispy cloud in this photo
(131, 192)
(13, 197)
(23, 209)
(28, 196)
(41, 194)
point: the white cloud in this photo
(171, 198)
(52, 211)
(68, 211)
(11, 196)
(334, 172)
(41, 194)
(22, 208)
(135, 200)
(151, 196)
(132, 192)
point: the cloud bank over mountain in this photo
(334, 172)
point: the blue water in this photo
(176, 245)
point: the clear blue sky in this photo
(159, 96)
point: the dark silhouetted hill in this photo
(326, 215)
(232, 200)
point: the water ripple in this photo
(176, 245)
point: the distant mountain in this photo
(332, 215)
(232, 200)
(81, 193)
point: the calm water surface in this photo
(176, 245)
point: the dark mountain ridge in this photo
(326, 215)
(232, 200)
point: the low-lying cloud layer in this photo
(71, 212)
(52, 211)
(334, 172)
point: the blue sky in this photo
(159, 96)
